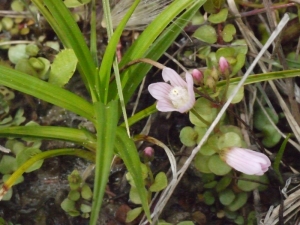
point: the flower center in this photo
(179, 96)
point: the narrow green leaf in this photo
(128, 152)
(81, 137)
(109, 55)
(63, 67)
(48, 92)
(107, 119)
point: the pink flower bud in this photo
(197, 76)
(148, 151)
(224, 66)
(246, 161)
(148, 154)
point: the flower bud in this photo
(148, 154)
(224, 66)
(246, 161)
(197, 76)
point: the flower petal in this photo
(165, 106)
(160, 90)
(190, 88)
(169, 74)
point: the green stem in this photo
(199, 117)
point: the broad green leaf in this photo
(26, 154)
(226, 197)
(217, 166)
(63, 67)
(228, 32)
(206, 33)
(16, 53)
(219, 17)
(8, 164)
(238, 202)
(134, 196)
(160, 182)
(248, 182)
(133, 214)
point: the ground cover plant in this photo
(207, 138)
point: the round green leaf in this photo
(261, 120)
(240, 62)
(26, 154)
(63, 67)
(8, 164)
(24, 66)
(210, 184)
(68, 205)
(219, 17)
(86, 192)
(201, 163)
(229, 139)
(17, 52)
(239, 220)
(247, 184)
(238, 202)
(203, 52)
(218, 166)
(207, 149)
(223, 183)
(206, 33)
(240, 46)
(160, 182)
(226, 197)
(188, 136)
(84, 208)
(228, 32)
(205, 109)
(239, 95)
(134, 196)
(74, 195)
(208, 198)
(132, 214)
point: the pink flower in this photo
(246, 161)
(223, 65)
(176, 96)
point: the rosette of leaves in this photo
(20, 153)
(229, 194)
(78, 201)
